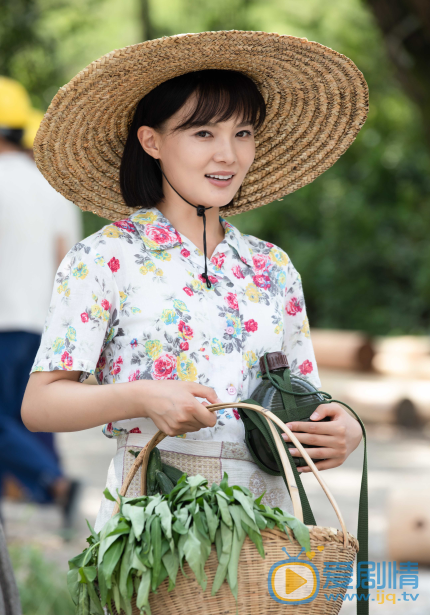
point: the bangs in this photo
(221, 95)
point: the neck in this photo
(185, 220)
(7, 146)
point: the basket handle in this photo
(143, 458)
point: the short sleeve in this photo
(296, 342)
(83, 314)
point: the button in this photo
(231, 390)
(230, 330)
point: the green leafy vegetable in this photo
(151, 536)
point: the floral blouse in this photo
(129, 303)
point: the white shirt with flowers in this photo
(129, 302)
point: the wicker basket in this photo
(262, 589)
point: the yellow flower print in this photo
(150, 265)
(169, 316)
(186, 368)
(152, 245)
(252, 293)
(58, 345)
(99, 260)
(135, 310)
(146, 218)
(158, 272)
(143, 270)
(67, 293)
(154, 348)
(278, 256)
(216, 347)
(180, 305)
(277, 329)
(122, 299)
(111, 335)
(250, 358)
(81, 271)
(96, 311)
(95, 298)
(64, 287)
(38, 369)
(305, 327)
(111, 231)
(163, 255)
(105, 315)
(196, 285)
(71, 334)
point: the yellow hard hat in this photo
(31, 128)
(15, 104)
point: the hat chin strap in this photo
(201, 209)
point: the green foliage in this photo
(358, 233)
(42, 587)
(147, 541)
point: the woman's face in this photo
(191, 158)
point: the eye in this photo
(202, 133)
(247, 132)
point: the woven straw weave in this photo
(317, 101)
(188, 597)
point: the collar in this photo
(157, 233)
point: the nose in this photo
(225, 151)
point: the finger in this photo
(312, 439)
(200, 390)
(325, 428)
(333, 410)
(317, 453)
(321, 465)
(207, 418)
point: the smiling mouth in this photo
(221, 177)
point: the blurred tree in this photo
(405, 25)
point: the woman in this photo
(163, 137)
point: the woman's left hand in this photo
(337, 437)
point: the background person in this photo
(37, 227)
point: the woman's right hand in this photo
(173, 406)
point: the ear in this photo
(149, 140)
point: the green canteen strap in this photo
(260, 422)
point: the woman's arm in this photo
(55, 401)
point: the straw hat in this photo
(317, 101)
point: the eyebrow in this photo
(238, 126)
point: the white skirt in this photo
(208, 458)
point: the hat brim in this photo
(316, 98)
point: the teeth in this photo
(221, 176)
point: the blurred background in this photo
(358, 235)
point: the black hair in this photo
(220, 94)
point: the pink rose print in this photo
(243, 259)
(261, 280)
(231, 300)
(160, 234)
(125, 224)
(135, 430)
(164, 367)
(189, 292)
(236, 414)
(84, 317)
(212, 279)
(237, 271)
(306, 367)
(259, 261)
(218, 260)
(105, 304)
(134, 376)
(109, 427)
(269, 245)
(184, 346)
(251, 325)
(67, 360)
(185, 330)
(293, 306)
(116, 367)
(113, 264)
(185, 252)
